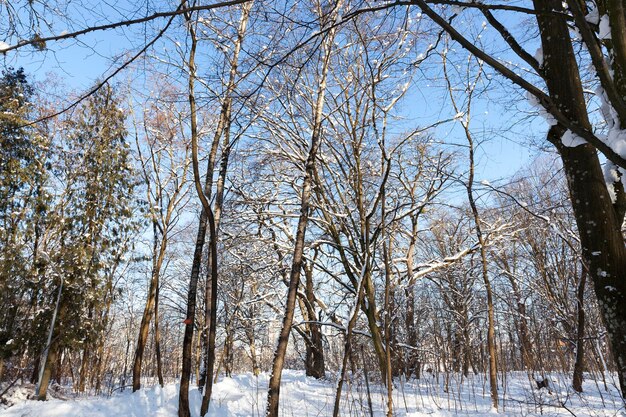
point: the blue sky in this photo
(80, 63)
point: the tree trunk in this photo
(253, 354)
(413, 366)
(369, 309)
(491, 334)
(314, 360)
(144, 327)
(158, 254)
(347, 351)
(273, 393)
(214, 217)
(100, 361)
(228, 358)
(294, 279)
(598, 221)
(206, 217)
(388, 296)
(412, 363)
(183, 397)
(82, 378)
(579, 365)
(525, 345)
(51, 364)
(157, 337)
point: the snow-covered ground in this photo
(244, 395)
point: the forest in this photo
(329, 208)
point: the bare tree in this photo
(165, 168)
(464, 115)
(325, 18)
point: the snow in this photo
(610, 173)
(593, 17)
(457, 10)
(611, 176)
(571, 140)
(244, 395)
(539, 56)
(4, 46)
(616, 139)
(616, 136)
(604, 28)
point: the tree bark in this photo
(598, 220)
(579, 364)
(157, 337)
(84, 365)
(144, 327)
(314, 359)
(387, 249)
(51, 364)
(183, 398)
(413, 366)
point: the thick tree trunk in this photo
(210, 317)
(412, 363)
(413, 366)
(387, 248)
(250, 335)
(525, 345)
(228, 358)
(253, 357)
(372, 321)
(599, 223)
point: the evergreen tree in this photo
(96, 221)
(23, 208)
